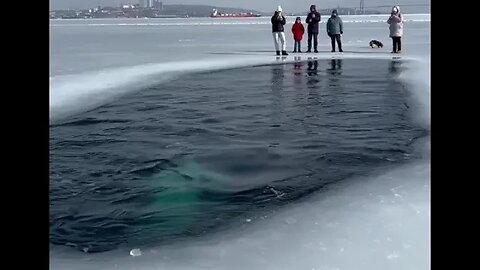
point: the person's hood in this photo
(313, 8)
(396, 9)
(334, 13)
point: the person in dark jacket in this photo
(278, 21)
(313, 18)
(297, 30)
(335, 30)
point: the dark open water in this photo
(190, 156)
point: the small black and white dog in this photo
(376, 44)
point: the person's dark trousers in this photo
(397, 44)
(315, 41)
(339, 42)
(296, 47)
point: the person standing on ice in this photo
(278, 21)
(297, 30)
(335, 30)
(396, 29)
(313, 18)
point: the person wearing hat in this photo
(335, 30)
(313, 18)
(396, 29)
(297, 30)
(278, 21)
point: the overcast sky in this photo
(260, 5)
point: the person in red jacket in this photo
(297, 30)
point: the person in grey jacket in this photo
(335, 30)
(396, 29)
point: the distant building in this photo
(143, 3)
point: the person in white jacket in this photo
(278, 21)
(396, 29)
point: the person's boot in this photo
(278, 52)
(284, 53)
(315, 51)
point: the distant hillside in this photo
(136, 11)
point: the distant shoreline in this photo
(243, 18)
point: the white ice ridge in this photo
(218, 23)
(215, 22)
(70, 94)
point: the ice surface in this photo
(90, 65)
(380, 223)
